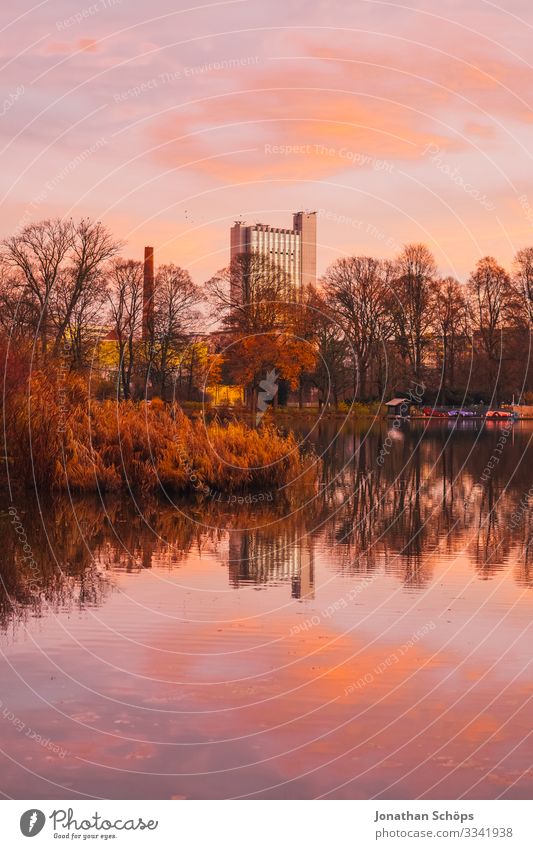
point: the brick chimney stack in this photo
(148, 293)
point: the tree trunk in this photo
(191, 371)
(362, 381)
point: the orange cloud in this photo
(63, 48)
(89, 44)
(322, 111)
(422, 76)
(291, 129)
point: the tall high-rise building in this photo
(304, 225)
(292, 250)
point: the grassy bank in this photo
(58, 438)
(357, 410)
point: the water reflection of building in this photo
(303, 584)
(257, 559)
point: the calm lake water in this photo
(368, 638)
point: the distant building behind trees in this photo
(293, 251)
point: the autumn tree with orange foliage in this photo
(252, 358)
(263, 320)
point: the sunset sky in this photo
(397, 122)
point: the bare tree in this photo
(40, 252)
(451, 321)
(57, 263)
(19, 316)
(92, 246)
(333, 373)
(412, 303)
(251, 294)
(84, 318)
(492, 300)
(197, 365)
(126, 304)
(523, 280)
(175, 314)
(357, 288)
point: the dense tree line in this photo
(373, 327)
(67, 294)
(370, 327)
(456, 339)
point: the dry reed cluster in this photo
(58, 437)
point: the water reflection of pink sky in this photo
(251, 705)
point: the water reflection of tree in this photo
(492, 541)
(359, 489)
(382, 511)
(430, 495)
(60, 573)
(524, 565)
(80, 547)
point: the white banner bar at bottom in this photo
(267, 824)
